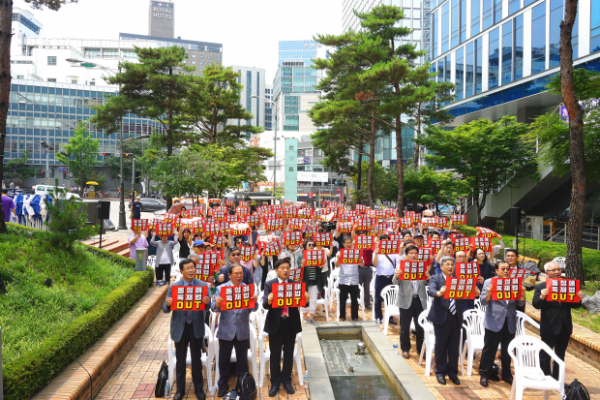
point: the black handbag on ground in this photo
(161, 382)
(576, 391)
(245, 388)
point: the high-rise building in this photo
(268, 106)
(161, 19)
(252, 95)
(298, 50)
(24, 24)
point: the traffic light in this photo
(128, 154)
(107, 154)
(138, 176)
(42, 173)
(64, 174)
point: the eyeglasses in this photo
(504, 269)
(554, 270)
(236, 254)
(310, 245)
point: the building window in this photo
(556, 15)
(595, 27)
(74, 81)
(459, 73)
(507, 52)
(193, 56)
(455, 23)
(201, 56)
(20, 76)
(51, 60)
(218, 58)
(487, 14)
(92, 83)
(575, 35)
(445, 26)
(478, 65)
(469, 71)
(494, 58)
(201, 63)
(210, 58)
(291, 169)
(51, 79)
(475, 17)
(513, 6)
(538, 38)
(434, 29)
(518, 47)
(497, 11)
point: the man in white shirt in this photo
(384, 274)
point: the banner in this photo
(274, 224)
(237, 297)
(314, 258)
(270, 249)
(485, 243)
(458, 219)
(206, 265)
(289, 295)
(389, 246)
(563, 290)
(424, 254)
(485, 232)
(405, 223)
(350, 256)
(323, 239)
(297, 274)
(296, 224)
(506, 288)
(293, 238)
(164, 228)
(344, 227)
(461, 244)
(460, 288)
(247, 252)
(413, 270)
(188, 298)
(138, 225)
(363, 242)
(365, 223)
(467, 270)
(211, 228)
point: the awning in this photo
(91, 183)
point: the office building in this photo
(161, 19)
(24, 24)
(268, 106)
(253, 81)
(299, 51)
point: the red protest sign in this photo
(393, 225)
(240, 230)
(219, 216)
(485, 243)
(217, 240)
(211, 228)
(247, 252)
(243, 204)
(297, 274)
(391, 212)
(305, 213)
(409, 214)
(138, 225)
(461, 244)
(344, 227)
(460, 288)
(314, 258)
(563, 290)
(164, 228)
(459, 219)
(274, 224)
(242, 211)
(405, 222)
(323, 239)
(416, 218)
(224, 225)
(364, 242)
(350, 256)
(290, 212)
(252, 220)
(214, 201)
(271, 248)
(389, 246)
(168, 217)
(296, 224)
(237, 297)
(467, 270)
(395, 236)
(206, 265)
(361, 208)
(435, 245)
(194, 212)
(429, 222)
(365, 223)
(229, 202)
(457, 235)
(424, 254)
(292, 238)
(413, 270)
(231, 218)
(506, 288)
(188, 298)
(485, 232)
(380, 228)
(289, 295)
(442, 222)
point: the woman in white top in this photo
(348, 283)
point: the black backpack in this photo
(576, 391)
(161, 382)
(245, 388)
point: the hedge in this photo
(547, 251)
(32, 371)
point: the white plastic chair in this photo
(207, 357)
(525, 353)
(271, 275)
(428, 343)
(372, 287)
(251, 353)
(265, 353)
(361, 300)
(473, 325)
(479, 306)
(521, 319)
(331, 285)
(389, 294)
(150, 261)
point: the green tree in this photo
(379, 181)
(18, 168)
(6, 14)
(82, 151)
(425, 185)
(486, 154)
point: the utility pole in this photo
(122, 219)
(132, 180)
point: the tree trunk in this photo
(359, 171)
(417, 147)
(5, 38)
(372, 160)
(170, 131)
(576, 150)
(399, 167)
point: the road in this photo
(114, 217)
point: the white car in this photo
(46, 189)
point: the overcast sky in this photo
(248, 29)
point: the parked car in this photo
(149, 204)
(46, 189)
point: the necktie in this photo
(452, 307)
(284, 312)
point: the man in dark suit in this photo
(447, 318)
(556, 325)
(282, 325)
(187, 329)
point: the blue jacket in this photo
(248, 279)
(439, 307)
(232, 323)
(498, 311)
(178, 317)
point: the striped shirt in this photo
(348, 274)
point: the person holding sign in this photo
(234, 331)
(447, 250)
(187, 330)
(137, 241)
(312, 277)
(235, 255)
(500, 325)
(348, 282)
(164, 256)
(412, 300)
(556, 325)
(447, 318)
(384, 274)
(282, 324)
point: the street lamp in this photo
(47, 147)
(274, 141)
(122, 219)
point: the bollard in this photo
(140, 259)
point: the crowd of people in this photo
(413, 296)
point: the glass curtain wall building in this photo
(253, 81)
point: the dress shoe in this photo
(455, 380)
(178, 396)
(200, 395)
(368, 308)
(508, 379)
(483, 381)
(392, 321)
(223, 391)
(441, 379)
(274, 390)
(289, 388)
(405, 354)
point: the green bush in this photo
(547, 251)
(35, 369)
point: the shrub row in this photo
(547, 251)
(32, 371)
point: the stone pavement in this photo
(136, 377)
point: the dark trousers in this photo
(365, 276)
(491, 340)
(353, 291)
(166, 269)
(559, 344)
(284, 338)
(411, 313)
(325, 280)
(181, 349)
(241, 352)
(381, 282)
(447, 338)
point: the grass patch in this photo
(580, 316)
